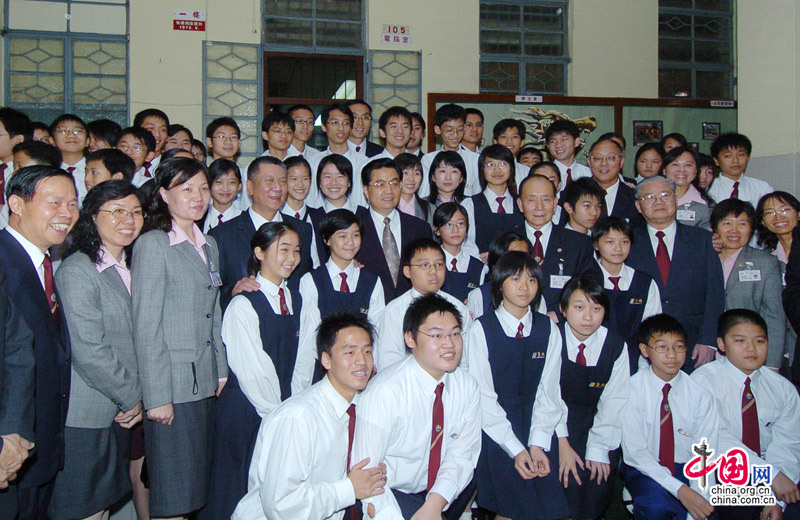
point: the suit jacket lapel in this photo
(646, 255)
(113, 279)
(191, 254)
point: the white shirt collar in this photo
(259, 221)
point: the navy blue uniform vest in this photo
(489, 224)
(330, 300)
(460, 284)
(627, 310)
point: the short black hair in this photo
(263, 238)
(583, 187)
(733, 208)
(733, 317)
(591, 288)
(253, 167)
(297, 160)
(408, 160)
(359, 102)
(501, 153)
(105, 129)
(141, 135)
(342, 164)
(417, 245)
(220, 167)
(454, 160)
(394, 111)
(444, 213)
(659, 324)
(647, 147)
(416, 116)
(473, 111)
(506, 124)
(38, 125)
(24, 181)
(424, 306)
(676, 136)
(329, 328)
(530, 149)
(138, 120)
(500, 244)
(17, 123)
(114, 161)
(199, 144)
(767, 238)
(174, 129)
(66, 117)
(341, 107)
(170, 173)
(450, 112)
(731, 140)
(510, 264)
(214, 125)
(378, 164)
(605, 225)
(276, 117)
(561, 126)
(299, 106)
(614, 135)
(337, 220)
(40, 153)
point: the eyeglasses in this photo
(458, 225)
(604, 158)
(362, 118)
(650, 198)
(426, 266)
(300, 121)
(224, 137)
(663, 349)
(339, 122)
(783, 211)
(122, 214)
(438, 336)
(383, 184)
(453, 130)
(496, 164)
(64, 130)
(135, 148)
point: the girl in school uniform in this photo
(226, 181)
(447, 177)
(410, 201)
(335, 183)
(647, 162)
(694, 204)
(261, 331)
(515, 356)
(595, 382)
(334, 286)
(176, 317)
(464, 271)
(495, 208)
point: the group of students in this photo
(376, 331)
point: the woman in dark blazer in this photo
(105, 396)
(177, 319)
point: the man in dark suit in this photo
(16, 398)
(362, 126)
(606, 160)
(386, 230)
(562, 253)
(266, 184)
(43, 207)
(682, 260)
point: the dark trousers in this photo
(8, 502)
(410, 502)
(650, 500)
(33, 502)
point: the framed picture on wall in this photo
(647, 132)
(711, 131)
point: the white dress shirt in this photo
(139, 177)
(35, 254)
(315, 197)
(212, 217)
(349, 204)
(475, 304)
(462, 263)
(473, 185)
(547, 407)
(653, 304)
(669, 237)
(3, 206)
(530, 233)
(310, 316)
(577, 171)
(79, 174)
(253, 367)
(520, 173)
(394, 423)
(568, 226)
(359, 149)
(289, 211)
(308, 151)
(694, 417)
(778, 413)
(391, 346)
(259, 221)
(491, 198)
(606, 430)
(611, 196)
(750, 189)
(298, 468)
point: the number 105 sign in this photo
(396, 34)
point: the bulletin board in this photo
(699, 121)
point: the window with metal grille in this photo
(524, 47)
(323, 25)
(695, 49)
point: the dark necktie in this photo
(581, 358)
(71, 169)
(437, 434)
(3, 183)
(219, 219)
(50, 289)
(282, 298)
(662, 257)
(735, 190)
(389, 245)
(343, 287)
(750, 434)
(519, 331)
(569, 177)
(297, 215)
(666, 439)
(500, 209)
(454, 263)
(538, 250)
(147, 169)
(358, 148)
(615, 280)
(351, 430)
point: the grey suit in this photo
(177, 321)
(763, 297)
(702, 215)
(105, 378)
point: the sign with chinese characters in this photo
(188, 20)
(396, 34)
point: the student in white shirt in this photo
(421, 418)
(156, 122)
(583, 202)
(298, 183)
(449, 126)
(394, 127)
(226, 182)
(731, 152)
(303, 118)
(515, 355)
(530, 156)
(422, 262)
(511, 134)
(666, 414)
(465, 272)
(70, 137)
(223, 139)
(563, 142)
(139, 145)
(106, 164)
(414, 145)
(595, 381)
(335, 286)
(767, 428)
(447, 179)
(647, 162)
(301, 462)
(335, 183)
(277, 131)
(260, 330)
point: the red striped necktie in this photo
(666, 439)
(437, 434)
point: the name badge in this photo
(750, 275)
(558, 281)
(686, 214)
(216, 281)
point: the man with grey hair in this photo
(683, 262)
